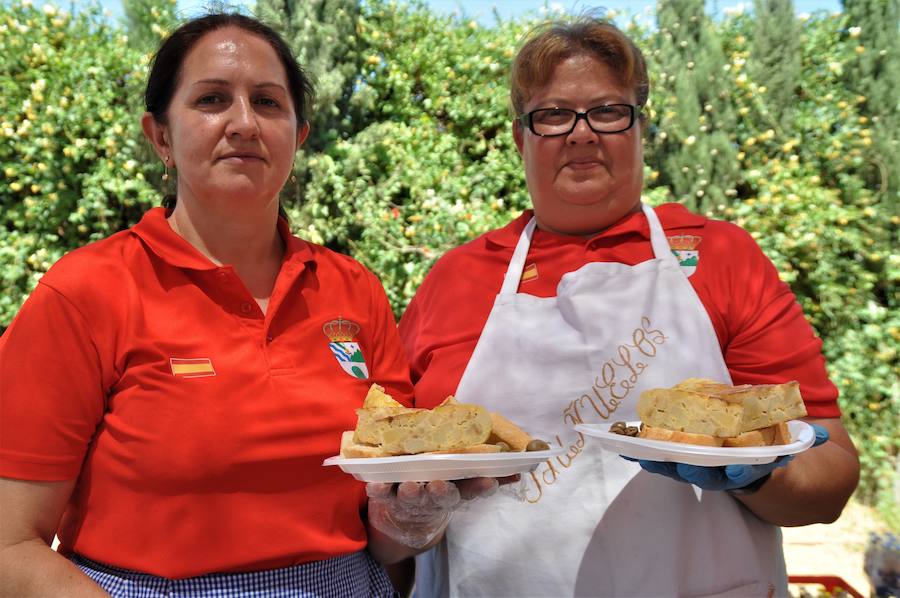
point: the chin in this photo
(590, 200)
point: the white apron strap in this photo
(658, 239)
(517, 263)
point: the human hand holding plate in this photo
(735, 478)
(415, 513)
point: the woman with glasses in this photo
(571, 310)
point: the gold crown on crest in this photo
(684, 242)
(340, 330)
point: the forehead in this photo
(584, 80)
(230, 51)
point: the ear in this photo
(302, 134)
(158, 136)
(518, 132)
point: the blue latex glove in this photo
(729, 477)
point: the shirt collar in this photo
(154, 230)
(671, 215)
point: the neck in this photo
(246, 240)
(582, 228)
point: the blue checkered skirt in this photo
(354, 575)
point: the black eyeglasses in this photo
(552, 122)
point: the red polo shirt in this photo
(760, 326)
(195, 425)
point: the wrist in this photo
(751, 488)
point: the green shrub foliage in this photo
(69, 120)
(413, 154)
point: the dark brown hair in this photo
(169, 59)
(166, 69)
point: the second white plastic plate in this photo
(802, 436)
(421, 468)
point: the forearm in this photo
(31, 568)
(814, 487)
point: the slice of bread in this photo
(773, 435)
(782, 434)
(654, 433)
(475, 448)
(503, 430)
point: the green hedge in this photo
(74, 170)
(427, 161)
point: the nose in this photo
(242, 120)
(582, 132)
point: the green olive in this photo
(537, 445)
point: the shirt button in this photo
(269, 338)
(223, 275)
(246, 307)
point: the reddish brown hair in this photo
(551, 43)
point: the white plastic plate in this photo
(802, 436)
(425, 467)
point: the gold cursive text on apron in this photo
(618, 376)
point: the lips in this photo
(242, 157)
(584, 163)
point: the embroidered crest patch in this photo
(685, 249)
(344, 346)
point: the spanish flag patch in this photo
(530, 272)
(192, 368)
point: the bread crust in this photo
(503, 430)
(762, 437)
(655, 433)
(771, 436)
(475, 448)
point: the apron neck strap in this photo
(658, 239)
(517, 264)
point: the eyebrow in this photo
(225, 82)
(596, 101)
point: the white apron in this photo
(594, 524)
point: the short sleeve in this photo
(51, 389)
(767, 338)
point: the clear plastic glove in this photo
(728, 477)
(415, 513)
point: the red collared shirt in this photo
(195, 425)
(760, 326)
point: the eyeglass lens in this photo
(602, 119)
